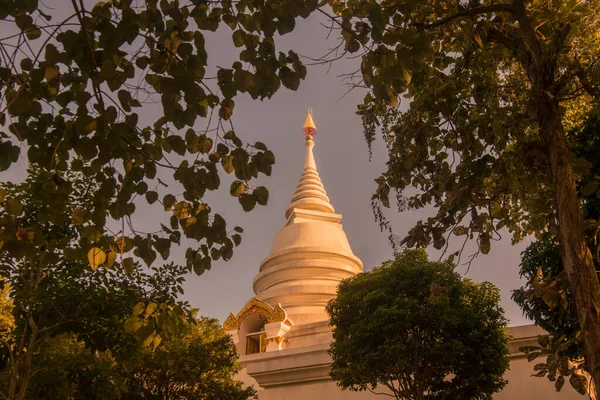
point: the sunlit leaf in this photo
(182, 209)
(227, 163)
(96, 257)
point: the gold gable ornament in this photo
(256, 306)
(231, 323)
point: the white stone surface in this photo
(303, 373)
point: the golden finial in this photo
(309, 127)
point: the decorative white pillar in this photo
(275, 332)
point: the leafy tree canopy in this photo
(199, 363)
(71, 90)
(491, 89)
(419, 329)
(51, 294)
(547, 297)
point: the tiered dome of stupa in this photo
(310, 254)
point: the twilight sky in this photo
(342, 160)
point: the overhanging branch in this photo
(501, 7)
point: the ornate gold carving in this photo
(263, 343)
(278, 314)
(278, 340)
(231, 323)
(252, 345)
(256, 306)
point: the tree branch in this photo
(528, 33)
(511, 43)
(587, 85)
(502, 7)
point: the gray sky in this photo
(342, 160)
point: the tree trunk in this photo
(576, 255)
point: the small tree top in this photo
(418, 328)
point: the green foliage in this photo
(71, 88)
(547, 298)
(199, 363)
(492, 88)
(467, 136)
(53, 293)
(68, 369)
(7, 320)
(418, 328)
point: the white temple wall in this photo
(302, 373)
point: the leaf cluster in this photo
(472, 75)
(54, 293)
(546, 297)
(72, 102)
(419, 329)
(200, 362)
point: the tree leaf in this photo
(484, 243)
(237, 188)
(495, 209)
(132, 324)
(128, 265)
(156, 342)
(227, 163)
(151, 197)
(226, 109)
(123, 244)
(262, 195)
(145, 334)
(182, 210)
(406, 75)
(111, 257)
(77, 217)
(238, 38)
(247, 201)
(139, 308)
(33, 32)
(579, 383)
(168, 201)
(13, 207)
(478, 39)
(204, 144)
(151, 308)
(96, 257)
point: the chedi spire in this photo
(310, 193)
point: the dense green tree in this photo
(198, 364)
(419, 329)
(68, 369)
(491, 88)
(546, 297)
(51, 294)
